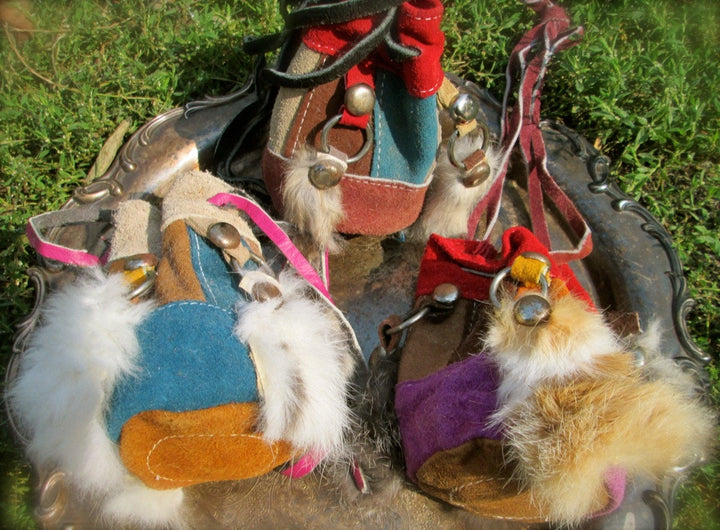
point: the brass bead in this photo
(264, 291)
(224, 235)
(360, 99)
(477, 175)
(325, 174)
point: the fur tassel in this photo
(303, 368)
(315, 212)
(84, 343)
(574, 405)
(448, 202)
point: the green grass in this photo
(642, 84)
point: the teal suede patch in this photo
(406, 132)
(190, 360)
(220, 284)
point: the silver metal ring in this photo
(332, 122)
(495, 285)
(453, 138)
(409, 321)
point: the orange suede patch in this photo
(169, 450)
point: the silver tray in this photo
(633, 269)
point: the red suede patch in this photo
(379, 207)
(445, 259)
(373, 207)
(417, 25)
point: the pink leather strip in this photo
(305, 465)
(48, 250)
(276, 235)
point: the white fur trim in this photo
(449, 203)
(85, 341)
(139, 505)
(304, 365)
(564, 347)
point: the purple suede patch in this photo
(446, 409)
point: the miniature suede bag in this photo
(355, 155)
(356, 125)
(180, 378)
(447, 389)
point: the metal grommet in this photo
(453, 138)
(332, 122)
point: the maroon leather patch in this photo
(372, 206)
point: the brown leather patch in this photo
(319, 105)
(176, 278)
(472, 476)
(431, 346)
(169, 450)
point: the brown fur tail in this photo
(568, 436)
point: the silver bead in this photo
(465, 107)
(532, 309)
(445, 295)
(325, 174)
(360, 99)
(224, 235)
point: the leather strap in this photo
(276, 235)
(80, 257)
(521, 125)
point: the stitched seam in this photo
(424, 19)
(379, 121)
(192, 303)
(389, 185)
(178, 436)
(320, 47)
(432, 89)
(200, 266)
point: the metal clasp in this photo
(444, 298)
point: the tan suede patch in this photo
(472, 476)
(288, 100)
(176, 278)
(167, 450)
